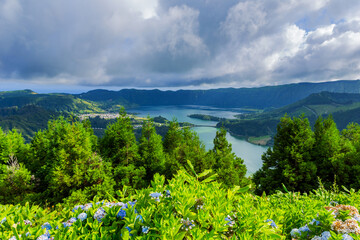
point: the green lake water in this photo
(249, 152)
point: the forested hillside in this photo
(172, 188)
(262, 97)
(344, 108)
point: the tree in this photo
(326, 146)
(63, 161)
(230, 168)
(289, 161)
(182, 145)
(16, 181)
(151, 150)
(120, 147)
(119, 142)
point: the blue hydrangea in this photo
(156, 196)
(28, 234)
(43, 237)
(72, 220)
(295, 233)
(121, 214)
(99, 214)
(272, 223)
(229, 221)
(13, 238)
(325, 235)
(347, 237)
(3, 220)
(77, 207)
(66, 224)
(167, 194)
(145, 229)
(131, 203)
(304, 229)
(314, 221)
(87, 206)
(187, 224)
(46, 226)
(82, 216)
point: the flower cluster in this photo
(324, 236)
(229, 221)
(145, 229)
(167, 194)
(156, 196)
(350, 225)
(27, 222)
(187, 224)
(271, 222)
(303, 231)
(100, 214)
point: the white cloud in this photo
(179, 43)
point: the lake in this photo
(249, 152)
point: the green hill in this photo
(260, 97)
(344, 107)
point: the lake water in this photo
(249, 152)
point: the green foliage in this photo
(63, 161)
(289, 162)
(230, 168)
(151, 150)
(185, 208)
(182, 145)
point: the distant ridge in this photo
(260, 97)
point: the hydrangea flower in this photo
(43, 237)
(72, 220)
(14, 238)
(77, 207)
(272, 223)
(87, 206)
(229, 221)
(156, 196)
(82, 216)
(46, 225)
(347, 237)
(325, 235)
(187, 224)
(167, 194)
(99, 214)
(28, 234)
(295, 233)
(314, 221)
(121, 214)
(145, 229)
(131, 203)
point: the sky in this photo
(77, 45)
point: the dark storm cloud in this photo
(172, 43)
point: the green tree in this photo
(120, 147)
(63, 161)
(182, 145)
(326, 146)
(230, 168)
(16, 181)
(289, 161)
(151, 150)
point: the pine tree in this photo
(151, 150)
(326, 146)
(120, 147)
(230, 168)
(289, 161)
(63, 161)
